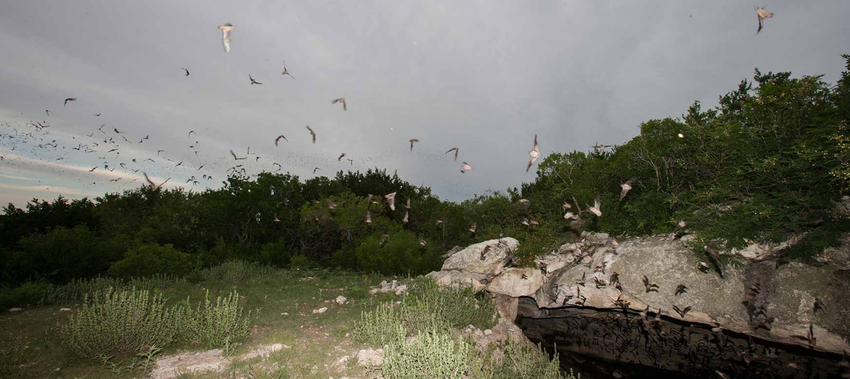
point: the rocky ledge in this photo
(655, 303)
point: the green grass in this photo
(29, 346)
(280, 303)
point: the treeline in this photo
(770, 161)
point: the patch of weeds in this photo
(358, 292)
(78, 289)
(142, 361)
(275, 373)
(428, 307)
(219, 324)
(234, 271)
(381, 326)
(459, 307)
(118, 322)
(430, 355)
(522, 361)
(13, 354)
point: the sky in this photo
(485, 76)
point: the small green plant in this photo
(299, 262)
(430, 355)
(118, 322)
(459, 307)
(13, 353)
(235, 270)
(77, 289)
(522, 361)
(218, 324)
(381, 326)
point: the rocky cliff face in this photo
(646, 302)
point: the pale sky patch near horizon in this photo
(482, 75)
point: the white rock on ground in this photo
(320, 310)
(341, 300)
(370, 357)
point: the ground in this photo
(309, 345)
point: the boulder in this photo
(506, 306)
(555, 261)
(458, 279)
(787, 294)
(452, 251)
(486, 258)
(516, 282)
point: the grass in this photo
(280, 303)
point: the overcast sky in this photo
(482, 75)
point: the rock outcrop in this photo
(476, 265)
(645, 301)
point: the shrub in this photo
(152, 259)
(13, 354)
(458, 307)
(522, 361)
(401, 253)
(430, 355)
(118, 322)
(299, 262)
(381, 326)
(235, 271)
(59, 256)
(428, 308)
(27, 294)
(213, 325)
(274, 253)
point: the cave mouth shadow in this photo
(599, 342)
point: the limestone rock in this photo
(320, 310)
(458, 279)
(555, 261)
(341, 300)
(516, 282)
(787, 293)
(506, 306)
(452, 251)
(595, 238)
(487, 258)
(370, 357)
(394, 287)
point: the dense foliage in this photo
(770, 161)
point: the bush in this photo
(118, 322)
(522, 361)
(152, 259)
(235, 271)
(58, 256)
(381, 326)
(27, 294)
(401, 253)
(431, 355)
(14, 353)
(274, 253)
(458, 307)
(427, 308)
(299, 262)
(213, 325)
